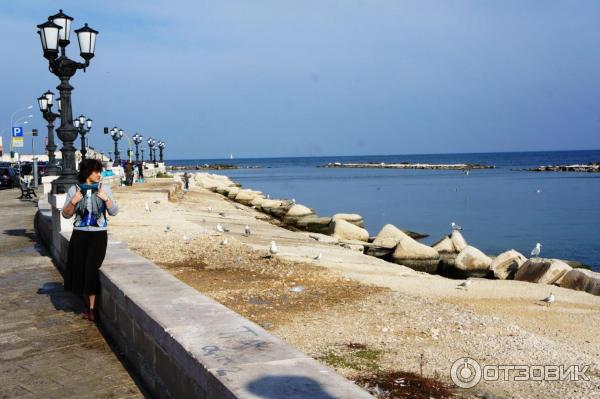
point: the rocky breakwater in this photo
(451, 256)
(206, 166)
(407, 165)
(592, 167)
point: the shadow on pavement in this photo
(287, 386)
(62, 300)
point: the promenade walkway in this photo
(46, 348)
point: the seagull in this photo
(273, 250)
(536, 251)
(465, 284)
(224, 242)
(539, 190)
(209, 209)
(157, 202)
(549, 299)
(247, 230)
(318, 257)
(294, 201)
(455, 227)
(167, 228)
(147, 207)
(220, 228)
(222, 214)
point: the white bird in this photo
(224, 242)
(549, 299)
(318, 257)
(537, 250)
(538, 191)
(294, 201)
(247, 230)
(209, 209)
(273, 250)
(220, 228)
(168, 228)
(147, 207)
(455, 227)
(465, 284)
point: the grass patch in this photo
(354, 356)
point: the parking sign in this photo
(17, 131)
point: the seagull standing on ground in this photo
(220, 228)
(273, 250)
(247, 230)
(455, 227)
(224, 242)
(537, 250)
(549, 299)
(318, 257)
(466, 284)
(147, 207)
(209, 209)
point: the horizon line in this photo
(384, 155)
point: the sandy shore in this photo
(365, 317)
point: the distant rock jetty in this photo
(206, 166)
(592, 167)
(407, 165)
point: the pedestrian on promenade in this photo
(186, 180)
(89, 201)
(128, 173)
(140, 167)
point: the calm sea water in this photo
(499, 209)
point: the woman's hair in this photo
(86, 167)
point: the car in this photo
(9, 177)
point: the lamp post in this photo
(84, 125)
(137, 140)
(116, 135)
(161, 147)
(151, 145)
(54, 35)
(45, 102)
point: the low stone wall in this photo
(184, 344)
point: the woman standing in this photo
(89, 201)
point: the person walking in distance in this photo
(140, 167)
(90, 202)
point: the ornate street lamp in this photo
(137, 139)
(151, 145)
(161, 147)
(84, 125)
(116, 135)
(45, 102)
(54, 36)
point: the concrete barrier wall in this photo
(184, 344)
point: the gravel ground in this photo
(367, 327)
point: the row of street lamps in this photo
(54, 35)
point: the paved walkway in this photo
(46, 348)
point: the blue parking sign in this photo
(17, 131)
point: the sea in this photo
(499, 209)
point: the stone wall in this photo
(183, 344)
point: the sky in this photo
(321, 77)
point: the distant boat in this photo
(230, 156)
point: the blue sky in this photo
(303, 78)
